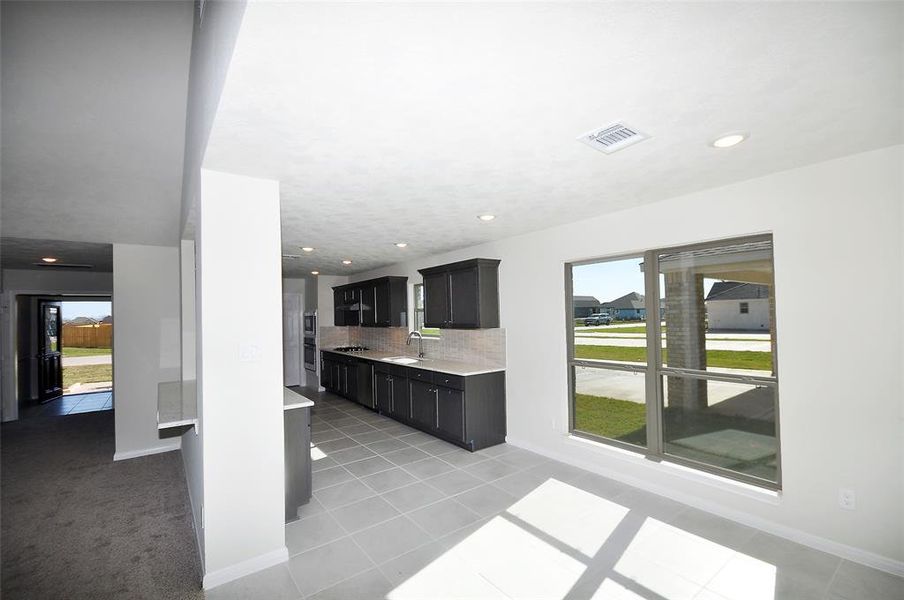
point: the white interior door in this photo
(292, 357)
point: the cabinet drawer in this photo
(382, 367)
(421, 375)
(456, 382)
(399, 371)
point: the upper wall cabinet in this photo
(381, 302)
(462, 295)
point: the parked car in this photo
(597, 319)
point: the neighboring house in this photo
(82, 321)
(108, 320)
(629, 307)
(737, 305)
(585, 305)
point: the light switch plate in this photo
(249, 352)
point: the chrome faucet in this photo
(420, 342)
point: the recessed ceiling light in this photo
(315, 272)
(307, 249)
(401, 244)
(49, 259)
(346, 262)
(730, 139)
(486, 217)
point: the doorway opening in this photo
(65, 355)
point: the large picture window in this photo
(663, 362)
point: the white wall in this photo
(146, 343)
(841, 411)
(726, 314)
(213, 40)
(325, 285)
(192, 440)
(239, 328)
(15, 281)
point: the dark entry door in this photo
(50, 350)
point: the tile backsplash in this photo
(484, 347)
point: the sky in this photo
(612, 279)
(608, 280)
(95, 310)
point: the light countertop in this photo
(450, 367)
(292, 399)
(177, 404)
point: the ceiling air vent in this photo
(612, 138)
(291, 256)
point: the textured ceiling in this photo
(388, 123)
(18, 253)
(94, 98)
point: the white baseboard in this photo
(144, 452)
(246, 567)
(851, 553)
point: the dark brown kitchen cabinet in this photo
(381, 302)
(423, 404)
(401, 407)
(368, 311)
(462, 295)
(450, 412)
(436, 300)
(391, 389)
(383, 392)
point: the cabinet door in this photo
(384, 310)
(327, 375)
(436, 300)
(465, 302)
(352, 301)
(400, 402)
(338, 310)
(423, 405)
(450, 408)
(351, 381)
(368, 306)
(343, 379)
(383, 392)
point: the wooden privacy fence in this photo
(88, 336)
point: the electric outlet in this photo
(847, 499)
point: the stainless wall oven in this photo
(310, 353)
(310, 323)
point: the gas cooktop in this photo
(352, 349)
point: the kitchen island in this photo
(297, 432)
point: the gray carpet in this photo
(77, 525)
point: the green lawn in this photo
(616, 419)
(87, 374)
(726, 359)
(75, 351)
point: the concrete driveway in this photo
(81, 361)
(623, 385)
(641, 342)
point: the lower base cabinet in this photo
(468, 411)
(297, 444)
(450, 412)
(423, 405)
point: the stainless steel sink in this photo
(403, 360)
